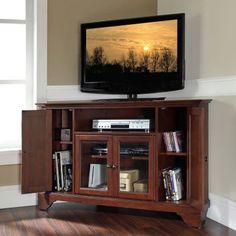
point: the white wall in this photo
(211, 59)
(210, 35)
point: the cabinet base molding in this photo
(190, 215)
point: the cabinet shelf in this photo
(64, 142)
(114, 132)
(99, 156)
(135, 157)
(181, 154)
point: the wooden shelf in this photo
(135, 157)
(64, 142)
(99, 156)
(182, 154)
(126, 156)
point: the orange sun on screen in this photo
(146, 48)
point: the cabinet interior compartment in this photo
(84, 117)
(171, 162)
(172, 119)
(132, 160)
(62, 121)
(90, 155)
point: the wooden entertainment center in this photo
(40, 140)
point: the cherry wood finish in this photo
(81, 169)
(36, 151)
(150, 165)
(191, 116)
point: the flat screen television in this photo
(133, 56)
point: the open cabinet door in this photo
(36, 151)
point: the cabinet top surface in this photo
(122, 103)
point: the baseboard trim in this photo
(222, 210)
(208, 87)
(10, 196)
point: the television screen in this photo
(133, 56)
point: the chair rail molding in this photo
(208, 87)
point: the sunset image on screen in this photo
(141, 48)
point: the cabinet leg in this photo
(43, 201)
(192, 219)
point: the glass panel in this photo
(134, 158)
(12, 9)
(94, 165)
(13, 52)
(12, 101)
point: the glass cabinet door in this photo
(135, 167)
(93, 160)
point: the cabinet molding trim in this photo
(222, 210)
(11, 197)
(210, 87)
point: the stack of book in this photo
(62, 171)
(173, 141)
(173, 184)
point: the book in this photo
(173, 141)
(58, 175)
(55, 174)
(67, 173)
(178, 184)
(178, 140)
(62, 170)
(168, 142)
(166, 182)
(65, 169)
(173, 185)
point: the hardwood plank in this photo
(78, 219)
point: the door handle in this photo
(111, 166)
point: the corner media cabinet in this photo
(117, 167)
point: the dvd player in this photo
(121, 124)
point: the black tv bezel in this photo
(167, 82)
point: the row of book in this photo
(173, 184)
(173, 141)
(62, 171)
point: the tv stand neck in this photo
(134, 97)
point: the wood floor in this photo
(68, 219)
